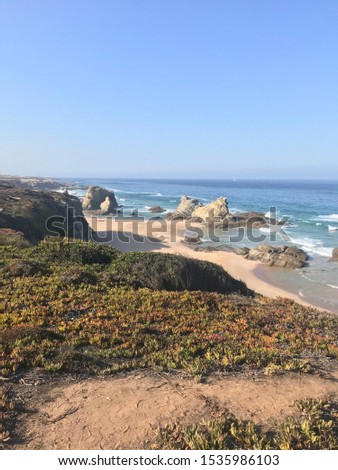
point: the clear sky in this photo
(174, 88)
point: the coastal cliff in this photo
(37, 214)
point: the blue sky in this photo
(175, 88)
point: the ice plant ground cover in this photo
(315, 426)
(90, 317)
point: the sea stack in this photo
(100, 199)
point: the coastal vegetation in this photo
(85, 307)
(315, 426)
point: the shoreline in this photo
(163, 239)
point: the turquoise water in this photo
(310, 206)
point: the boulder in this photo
(335, 255)
(242, 251)
(186, 207)
(173, 216)
(217, 209)
(192, 239)
(280, 256)
(156, 209)
(97, 197)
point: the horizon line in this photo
(229, 178)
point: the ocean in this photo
(311, 209)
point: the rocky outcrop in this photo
(281, 256)
(334, 255)
(217, 209)
(193, 209)
(243, 251)
(212, 248)
(186, 207)
(37, 214)
(156, 209)
(246, 219)
(100, 199)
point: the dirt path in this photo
(122, 412)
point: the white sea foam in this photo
(270, 229)
(121, 199)
(319, 223)
(191, 233)
(308, 278)
(235, 210)
(144, 193)
(332, 228)
(328, 218)
(76, 192)
(311, 246)
(333, 286)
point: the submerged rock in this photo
(156, 209)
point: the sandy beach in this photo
(167, 237)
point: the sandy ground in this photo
(166, 237)
(124, 412)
